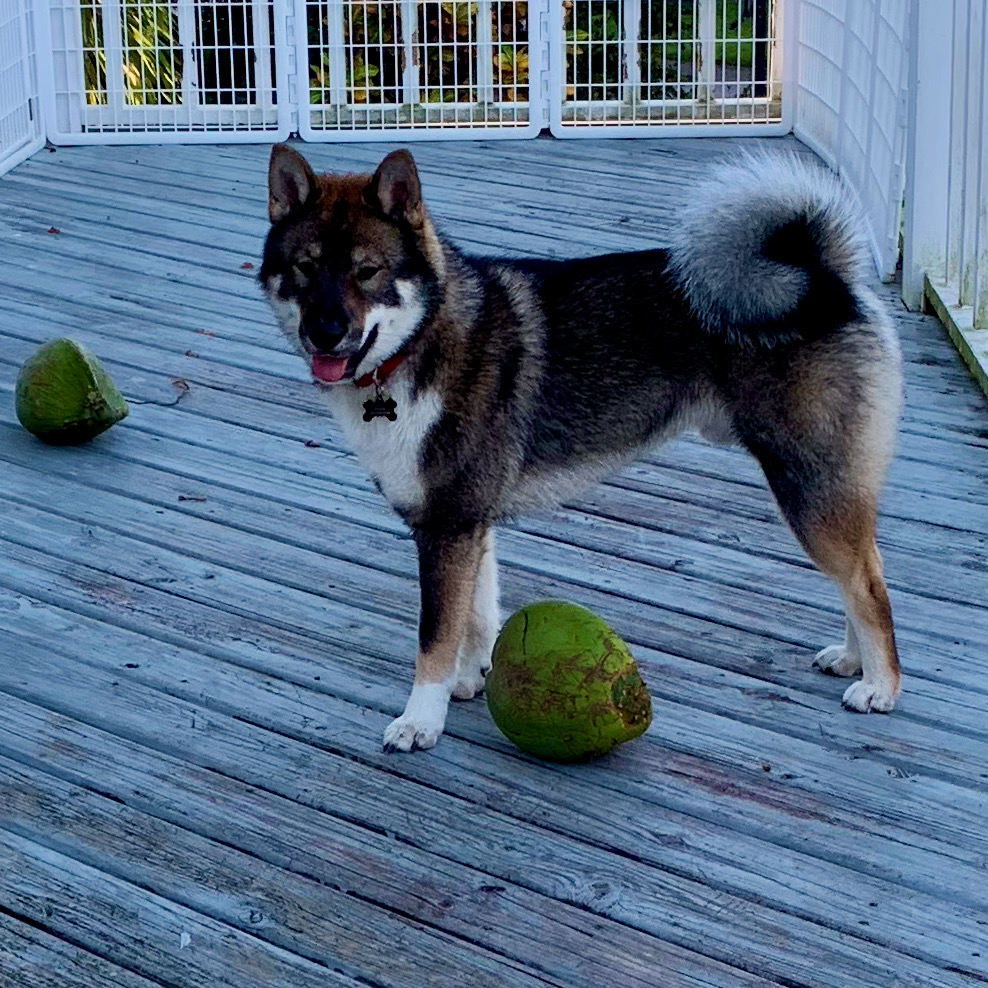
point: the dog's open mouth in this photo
(330, 369)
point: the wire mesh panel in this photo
(426, 68)
(125, 68)
(21, 132)
(850, 83)
(653, 65)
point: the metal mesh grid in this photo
(655, 63)
(163, 67)
(851, 77)
(20, 124)
(429, 66)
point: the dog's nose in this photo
(324, 334)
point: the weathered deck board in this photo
(35, 959)
(515, 852)
(208, 625)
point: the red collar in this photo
(380, 374)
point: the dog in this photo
(474, 389)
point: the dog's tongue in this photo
(328, 369)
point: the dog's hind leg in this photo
(836, 526)
(448, 567)
(850, 556)
(483, 623)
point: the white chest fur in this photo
(389, 451)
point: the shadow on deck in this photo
(207, 617)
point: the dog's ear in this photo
(395, 189)
(291, 182)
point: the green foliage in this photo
(371, 59)
(666, 50)
(593, 52)
(152, 56)
(374, 54)
(741, 50)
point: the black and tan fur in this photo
(526, 380)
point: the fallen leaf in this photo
(312, 444)
(205, 332)
(190, 497)
(246, 266)
(54, 229)
(191, 353)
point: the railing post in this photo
(336, 42)
(706, 19)
(113, 36)
(485, 52)
(188, 38)
(410, 95)
(969, 149)
(927, 146)
(631, 20)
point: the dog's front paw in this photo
(422, 722)
(403, 734)
(867, 697)
(837, 660)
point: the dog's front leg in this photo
(448, 566)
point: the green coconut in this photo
(564, 686)
(64, 396)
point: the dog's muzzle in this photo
(322, 335)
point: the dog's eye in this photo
(306, 268)
(367, 271)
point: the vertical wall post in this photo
(979, 299)
(931, 31)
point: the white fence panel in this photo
(966, 262)
(654, 67)
(945, 249)
(122, 71)
(424, 69)
(21, 131)
(850, 84)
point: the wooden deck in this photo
(207, 617)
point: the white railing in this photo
(120, 71)
(654, 67)
(21, 131)
(424, 68)
(945, 249)
(131, 70)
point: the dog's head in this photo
(352, 264)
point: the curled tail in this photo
(769, 248)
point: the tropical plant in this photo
(152, 56)
(667, 39)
